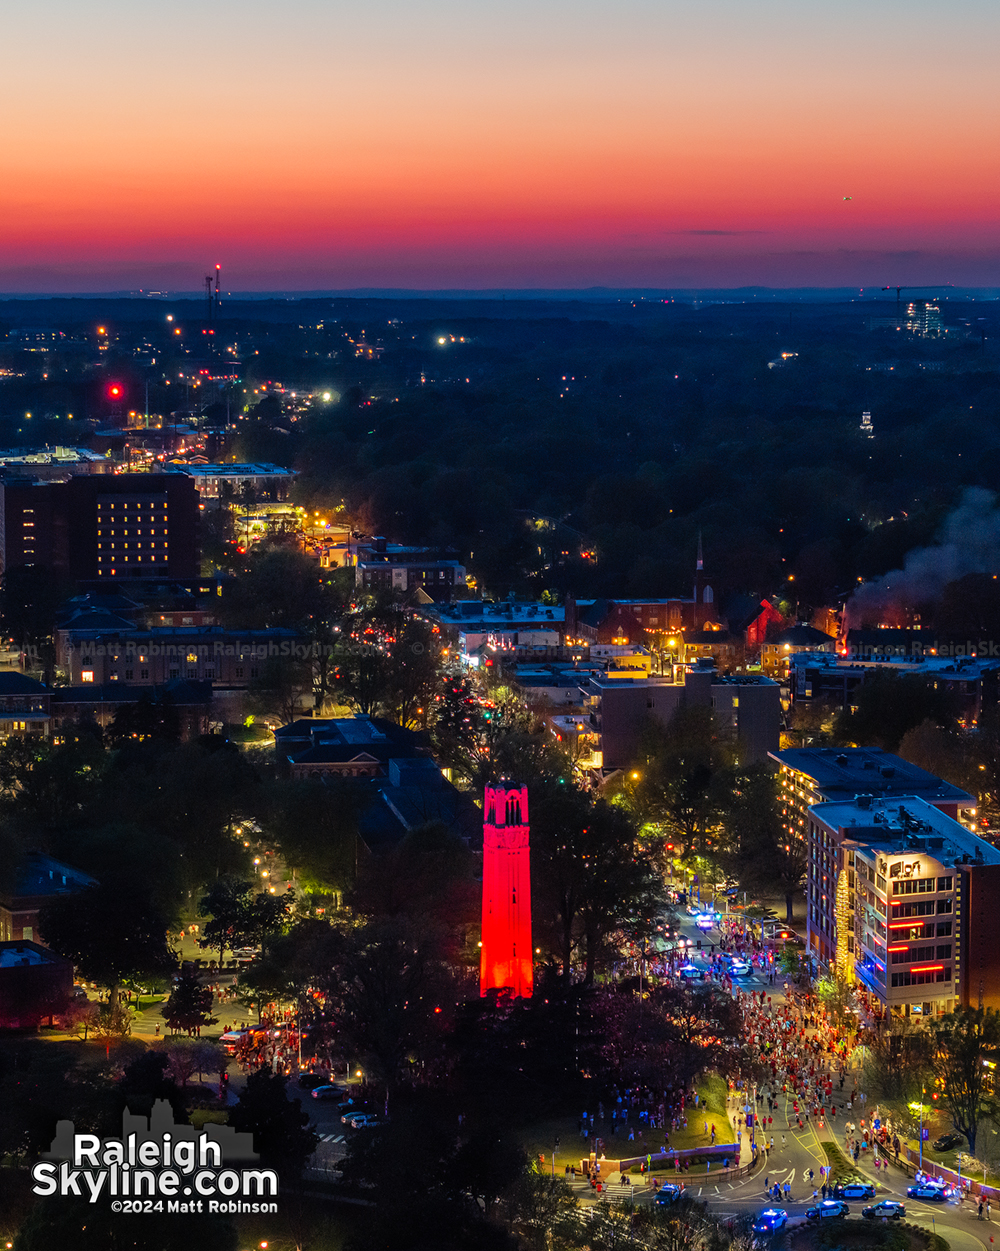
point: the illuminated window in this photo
(86, 675)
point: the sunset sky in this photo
(308, 144)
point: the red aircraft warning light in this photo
(116, 390)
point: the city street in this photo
(797, 1151)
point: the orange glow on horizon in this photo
(583, 142)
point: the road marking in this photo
(700, 1188)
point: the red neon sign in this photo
(928, 968)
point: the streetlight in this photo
(913, 1107)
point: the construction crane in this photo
(943, 287)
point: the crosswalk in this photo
(331, 1137)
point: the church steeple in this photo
(704, 596)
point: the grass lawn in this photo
(540, 1137)
(840, 1166)
(865, 1236)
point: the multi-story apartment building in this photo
(746, 708)
(816, 775)
(106, 527)
(970, 684)
(913, 892)
(232, 658)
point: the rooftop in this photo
(642, 679)
(339, 739)
(256, 469)
(39, 875)
(48, 456)
(14, 683)
(967, 668)
(804, 636)
(468, 612)
(905, 824)
(168, 632)
(16, 954)
(841, 773)
(742, 679)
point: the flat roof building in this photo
(35, 984)
(747, 709)
(914, 893)
(815, 775)
(970, 682)
(226, 481)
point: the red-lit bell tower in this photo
(506, 960)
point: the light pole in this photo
(555, 1147)
(921, 1130)
(922, 1093)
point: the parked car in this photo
(309, 1081)
(739, 968)
(365, 1120)
(827, 1210)
(947, 1141)
(856, 1189)
(668, 1193)
(770, 1221)
(887, 1210)
(328, 1092)
(924, 1190)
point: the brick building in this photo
(35, 882)
(231, 658)
(102, 527)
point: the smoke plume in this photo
(969, 542)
